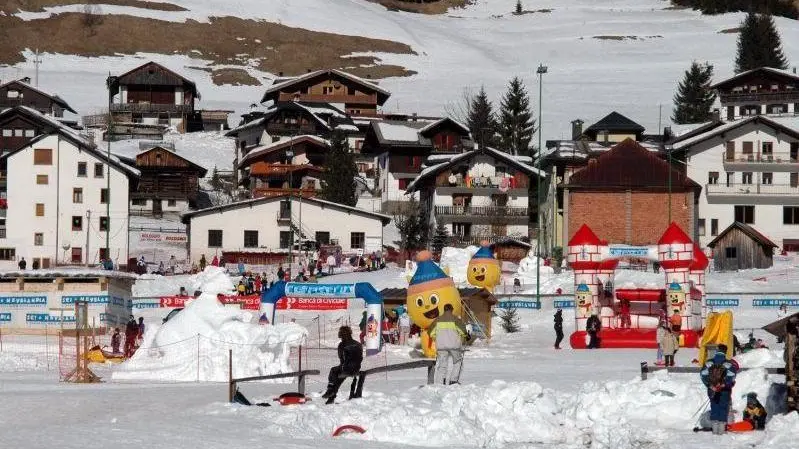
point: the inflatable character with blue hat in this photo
(676, 304)
(583, 301)
(483, 270)
(429, 290)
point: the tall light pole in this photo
(108, 177)
(290, 157)
(542, 69)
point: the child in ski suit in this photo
(669, 345)
(719, 387)
(755, 413)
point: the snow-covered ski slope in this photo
(602, 55)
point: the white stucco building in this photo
(749, 170)
(57, 194)
(266, 225)
(480, 195)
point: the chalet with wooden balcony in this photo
(168, 182)
(359, 96)
(291, 166)
(402, 147)
(480, 194)
(21, 93)
(152, 95)
(750, 172)
(761, 91)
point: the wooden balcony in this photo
(269, 192)
(357, 99)
(280, 169)
(476, 240)
(760, 97)
(482, 211)
(152, 107)
(482, 182)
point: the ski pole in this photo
(701, 407)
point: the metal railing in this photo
(762, 158)
(458, 240)
(493, 211)
(151, 107)
(752, 189)
(479, 182)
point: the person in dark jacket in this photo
(558, 328)
(718, 375)
(131, 332)
(593, 325)
(116, 341)
(350, 356)
(280, 273)
(22, 264)
(755, 413)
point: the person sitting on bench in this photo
(350, 356)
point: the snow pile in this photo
(11, 362)
(529, 265)
(211, 280)
(455, 261)
(194, 344)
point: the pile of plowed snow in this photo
(194, 344)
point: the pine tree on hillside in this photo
(694, 97)
(440, 238)
(516, 125)
(338, 178)
(481, 121)
(759, 44)
(519, 8)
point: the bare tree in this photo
(92, 18)
(459, 108)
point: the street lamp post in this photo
(290, 157)
(542, 69)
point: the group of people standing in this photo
(134, 333)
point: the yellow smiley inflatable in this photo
(483, 270)
(429, 290)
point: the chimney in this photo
(414, 117)
(716, 116)
(307, 70)
(667, 135)
(577, 129)
(280, 74)
(794, 70)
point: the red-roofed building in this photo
(623, 196)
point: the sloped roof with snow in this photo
(628, 165)
(385, 219)
(787, 125)
(64, 131)
(55, 98)
(446, 120)
(509, 159)
(615, 122)
(263, 150)
(750, 231)
(282, 83)
(765, 70)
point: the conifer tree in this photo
(338, 178)
(759, 44)
(440, 238)
(510, 320)
(516, 124)
(694, 97)
(411, 224)
(519, 8)
(481, 120)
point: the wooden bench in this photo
(646, 369)
(233, 382)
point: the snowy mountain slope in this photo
(633, 68)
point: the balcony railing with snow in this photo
(493, 211)
(761, 158)
(752, 189)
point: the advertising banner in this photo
(723, 302)
(44, 318)
(314, 303)
(564, 304)
(91, 299)
(775, 302)
(248, 302)
(23, 300)
(517, 304)
(320, 290)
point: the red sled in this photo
(740, 426)
(292, 399)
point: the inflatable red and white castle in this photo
(681, 301)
